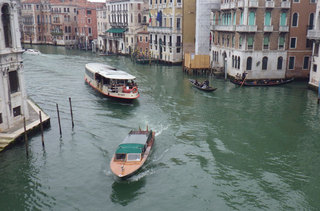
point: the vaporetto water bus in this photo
(110, 81)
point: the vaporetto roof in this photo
(109, 71)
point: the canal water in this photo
(233, 149)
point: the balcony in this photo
(246, 28)
(179, 44)
(269, 4)
(228, 28)
(228, 6)
(253, 3)
(268, 28)
(313, 34)
(283, 28)
(240, 4)
(158, 29)
(179, 5)
(285, 4)
(170, 44)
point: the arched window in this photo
(279, 64)
(295, 19)
(249, 63)
(238, 62)
(139, 18)
(233, 61)
(264, 63)
(6, 25)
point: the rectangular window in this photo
(240, 42)
(241, 18)
(266, 42)
(17, 111)
(306, 62)
(14, 81)
(314, 69)
(252, 18)
(178, 23)
(293, 42)
(1, 118)
(281, 42)
(308, 43)
(88, 12)
(291, 62)
(250, 42)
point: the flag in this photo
(159, 17)
(150, 17)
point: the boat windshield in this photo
(120, 156)
(133, 157)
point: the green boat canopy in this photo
(116, 30)
(129, 148)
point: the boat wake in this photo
(162, 128)
(141, 175)
(220, 146)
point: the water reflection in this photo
(126, 191)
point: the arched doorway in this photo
(225, 64)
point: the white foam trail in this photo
(220, 146)
(141, 175)
(162, 128)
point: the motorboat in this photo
(132, 153)
(32, 51)
(111, 81)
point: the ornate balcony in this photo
(313, 34)
(283, 28)
(228, 6)
(253, 3)
(269, 4)
(285, 4)
(158, 29)
(246, 28)
(268, 28)
(240, 4)
(228, 28)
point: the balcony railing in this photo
(269, 4)
(283, 28)
(246, 28)
(285, 4)
(268, 28)
(158, 29)
(240, 4)
(313, 34)
(228, 6)
(253, 3)
(228, 28)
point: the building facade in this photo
(165, 29)
(102, 25)
(126, 19)
(13, 97)
(314, 35)
(250, 36)
(300, 47)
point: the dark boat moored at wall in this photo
(200, 86)
(260, 82)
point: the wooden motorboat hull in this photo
(124, 169)
(207, 89)
(263, 82)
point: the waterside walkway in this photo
(13, 134)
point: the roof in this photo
(116, 30)
(136, 139)
(129, 148)
(109, 71)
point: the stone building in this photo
(36, 19)
(165, 29)
(266, 39)
(102, 27)
(314, 35)
(13, 97)
(126, 18)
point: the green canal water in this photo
(233, 149)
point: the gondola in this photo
(198, 86)
(261, 82)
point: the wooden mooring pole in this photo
(41, 127)
(25, 136)
(59, 120)
(71, 112)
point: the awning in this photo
(116, 30)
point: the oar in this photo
(243, 81)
